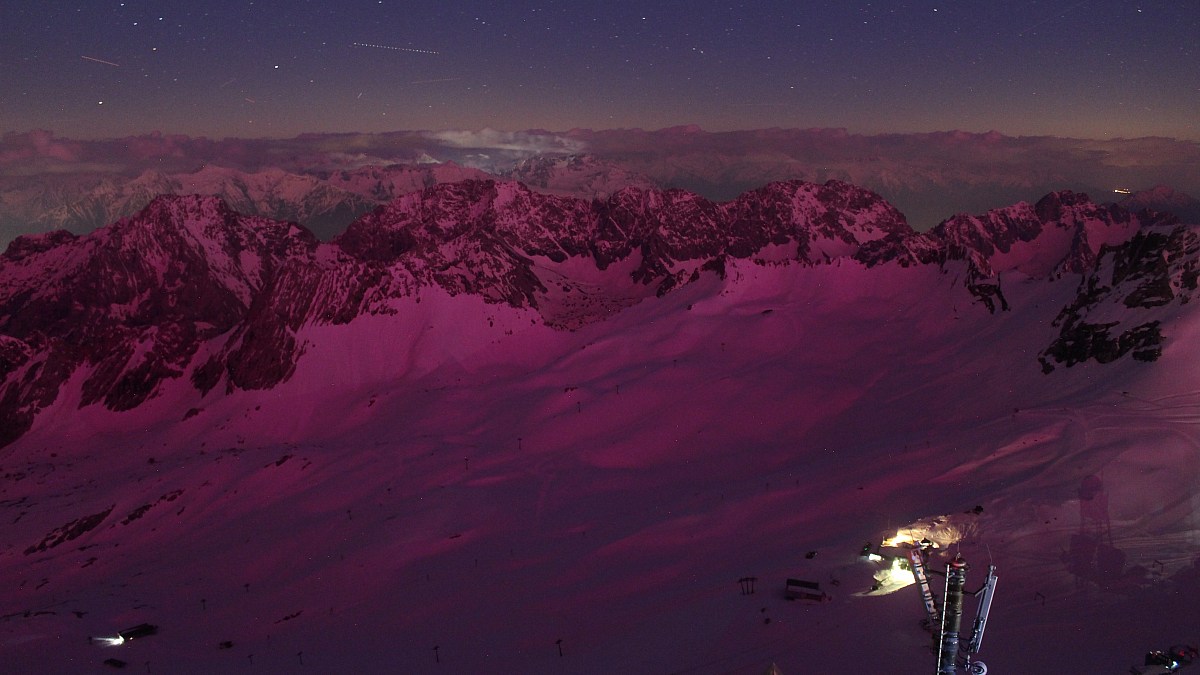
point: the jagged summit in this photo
(1062, 233)
(837, 210)
(671, 232)
(129, 304)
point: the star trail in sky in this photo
(1094, 69)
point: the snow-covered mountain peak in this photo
(127, 306)
(1061, 234)
(209, 228)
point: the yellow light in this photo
(893, 578)
(936, 531)
(899, 575)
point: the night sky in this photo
(1094, 69)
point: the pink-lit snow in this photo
(458, 488)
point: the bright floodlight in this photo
(893, 578)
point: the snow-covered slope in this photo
(444, 480)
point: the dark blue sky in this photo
(1096, 68)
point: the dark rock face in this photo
(1082, 341)
(989, 293)
(131, 306)
(1156, 267)
(72, 530)
(1159, 266)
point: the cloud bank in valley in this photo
(524, 142)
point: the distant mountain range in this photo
(327, 201)
(1165, 200)
(324, 181)
(323, 201)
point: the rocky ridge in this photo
(131, 303)
(190, 288)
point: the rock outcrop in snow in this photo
(1113, 313)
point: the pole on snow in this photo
(956, 578)
(917, 559)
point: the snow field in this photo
(490, 494)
